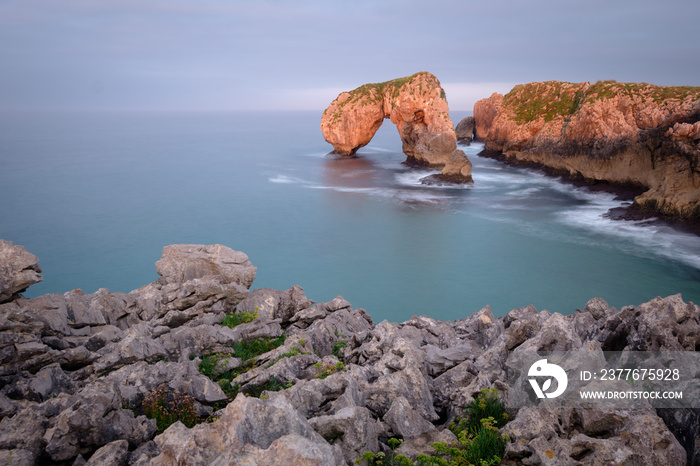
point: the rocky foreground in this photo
(78, 369)
(622, 133)
(416, 105)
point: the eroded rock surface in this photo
(625, 133)
(19, 270)
(416, 105)
(76, 370)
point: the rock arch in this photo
(416, 105)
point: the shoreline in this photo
(622, 192)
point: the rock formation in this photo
(19, 269)
(631, 134)
(77, 368)
(465, 130)
(416, 105)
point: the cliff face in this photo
(415, 104)
(624, 133)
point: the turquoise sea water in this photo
(97, 196)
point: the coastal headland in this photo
(628, 134)
(416, 105)
(195, 368)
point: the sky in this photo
(200, 55)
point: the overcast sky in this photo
(229, 55)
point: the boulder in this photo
(250, 430)
(19, 270)
(353, 429)
(113, 454)
(465, 130)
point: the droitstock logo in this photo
(543, 369)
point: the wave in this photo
(639, 237)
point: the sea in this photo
(96, 196)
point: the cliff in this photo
(270, 377)
(623, 133)
(416, 105)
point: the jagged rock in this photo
(195, 279)
(465, 130)
(19, 270)
(404, 421)
(580, 436)
(181, 263)
(337, 325)
(138, 380)
(422, 444)
(637, 328)
(258, 431)
(625, 133)
(17, 457)
(70, 363)
(113, 454)
(24, 431)
(415, 104)
(94, 418)
(144, 454)
(274, 304)
(354, 429)
(408, 383)
(439, 360)
(49, 381)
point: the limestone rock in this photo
(19, 270)
(465, 130)
(626, 133)
(415, 104)
(181, 263)
(353, 429)
(258, 431)
(113, 454)
(404, 421)
(275, 304)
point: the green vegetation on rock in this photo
(552, 99)
(373, 93)
(479, 441)
(238, 318)
(248, 352)
(168, 406)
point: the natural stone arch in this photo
(416, 105)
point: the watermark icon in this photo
(542, 368)
(598, 379)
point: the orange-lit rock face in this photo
(415, 104)
(618, 132)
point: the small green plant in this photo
(390, 459)
(338, 346)
(272, 385)
(324, 370)
(486, 405)
(248, 351)
(294, 351)
(254, 348)
(480, 444)
(238, 318)
(168, 406)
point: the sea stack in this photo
(622, 133)
(416, 105)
